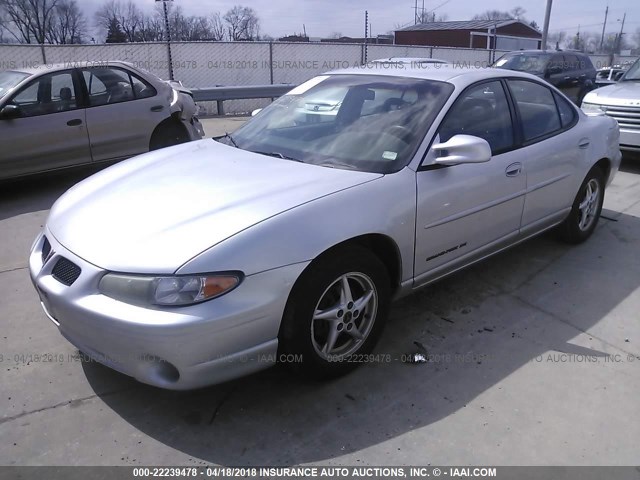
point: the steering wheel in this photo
(403, 133)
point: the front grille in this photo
(65, 271)
(627, 117)
(46, 249)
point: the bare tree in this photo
(217, 27)
(191, 28)
(636, 37)
(242, 23)
(3, 26)
(557, 39)
(68, 24)
(151, 28)
(126, 14)
(517, 13)
(588, 42)
(493, 15)
(432, 17)
(29, 20)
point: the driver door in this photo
(465, 211)
(50, 131)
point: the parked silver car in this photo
(622, 102)
(609, 75)
(65, 115)
(413, 62)
(286, 241)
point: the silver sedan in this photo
(286, 241)
(67, 115)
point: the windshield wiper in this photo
(278, 155)
(337, 165)
(227, 135)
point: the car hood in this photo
(620, 94)
(152, 213)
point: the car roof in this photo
(457, 74)
(409, 60)
(56, 67)
(547, 52)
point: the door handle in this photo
(584, 143)
(514, 169)
(75, 122)
(157, 108)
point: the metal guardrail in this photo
(222, 93)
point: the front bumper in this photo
(195, 128)
(175, 348)
(629, 140)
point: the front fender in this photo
(386, 206)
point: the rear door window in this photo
(538, 112)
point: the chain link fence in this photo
(150, 56)
(208, 64)
(16, 57)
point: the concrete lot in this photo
(536, 360)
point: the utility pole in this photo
(366, 25)
(606, 13)
(545, 28)
(167, 33)
(415, 15)
(621, 32)
(366, 34)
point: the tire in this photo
(585, 212)
(331, 343)
(168, 134)
(581, 95)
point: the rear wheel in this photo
(585, 212)
(336, 312)
(167, 134)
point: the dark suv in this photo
(571, 72)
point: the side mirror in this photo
(10, 111)
(255, 112)
(462, 149)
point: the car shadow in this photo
(478, 327)
(39, 192)
(630, 162)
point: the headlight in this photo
(592, 107)
(177, 290)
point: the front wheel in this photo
(168, 134)
(336, 312)
(585, 212)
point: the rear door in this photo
(561, 75)
(552, 149)
(51, 131)
(572, 80)
(123, 110)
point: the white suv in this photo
(622, 102)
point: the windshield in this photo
(633, 74)
(10, 79)
(358, 122)
(523, 62)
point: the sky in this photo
(323, 17)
